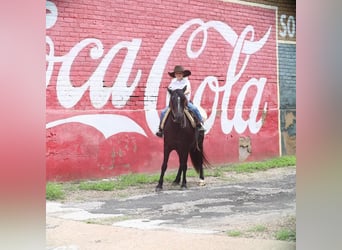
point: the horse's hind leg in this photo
(201, 174)
(200, 144)
(178, 177)
(201, 181)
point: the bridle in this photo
(177, 105)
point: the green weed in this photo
(258, 228)
(234, 233)
(54, 191)
(284, 161)
(287, 235)
(97, 185)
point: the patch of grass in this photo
(136, 179)
(249, 167)
(128, 180)
(97, 185)
(121, 182)
(258, 228)
(216, 172)
(70, 186)
(54, 191)
(234, 233)
(286, 234)
(107, 220)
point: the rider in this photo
(179, 81)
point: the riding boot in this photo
(200, 126)
(160, 132)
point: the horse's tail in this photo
(197, 155)
(198, 159)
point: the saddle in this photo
(191, 117)
(193, 121)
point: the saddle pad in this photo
(191, 119)
(164, 119)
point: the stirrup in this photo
(201, 127)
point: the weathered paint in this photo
(287, 83)
(106, 80)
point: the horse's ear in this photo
(169, 90)
(184, 89)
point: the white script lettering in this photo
(243, 46)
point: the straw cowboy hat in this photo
(179, 68)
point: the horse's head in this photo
(178, 102)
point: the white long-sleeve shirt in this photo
(175, 84)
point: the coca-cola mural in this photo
(107, 69)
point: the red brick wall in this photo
(107, 71)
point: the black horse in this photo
(181, 136)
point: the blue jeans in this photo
(195, 110)
(191, 107)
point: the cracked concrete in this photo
(208, 211)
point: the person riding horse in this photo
(179, 81)
(181, 135)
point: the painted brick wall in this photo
(287, 71)
(287, 83)
(107, 72)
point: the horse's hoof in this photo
(175, 183)
(202, 183)
(184, 187)
(158, 189)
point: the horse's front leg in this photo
(183, 157)
(184, 186)
(159, 187)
